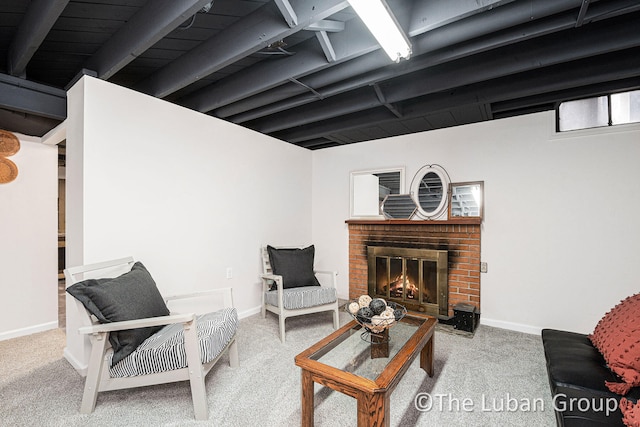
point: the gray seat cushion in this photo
(303, 297)
(164, 351)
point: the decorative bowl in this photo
(372, 316)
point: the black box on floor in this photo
(465, 317)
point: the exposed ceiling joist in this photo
(308, 71)
(568, 81)
(550, 98)
(530, 55)
(35, 25)
(270, 101)
(143, 30)
(347, 44)
(357, 100)
(338, 124)
(246, 36)
(607, 68)
(215, 96)
(429, 15)
(471, 29)
(536, 59)
(513, 59)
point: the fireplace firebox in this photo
(415, 278)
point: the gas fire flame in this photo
(410, 288)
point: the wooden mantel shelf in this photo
(455, 221)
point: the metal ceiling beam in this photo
(33, 98)
(471, 29)
(149, 25)
(602, 69)
(244, 37)
(35, 25)
(512, 59)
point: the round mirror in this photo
(429, 190)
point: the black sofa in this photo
(577, 373)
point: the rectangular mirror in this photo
(370, 187)
(466, 199)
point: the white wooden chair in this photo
(296, 301)
(99, 376)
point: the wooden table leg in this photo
(426, 356)
(307, 399)
(373, 410)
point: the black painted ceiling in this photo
(307, 71)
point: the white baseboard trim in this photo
(80, 367)
(518, 327)
(249, 312)
(28, 331)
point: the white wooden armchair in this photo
(293, 299)
(202, 338)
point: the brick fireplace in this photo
(459, 237)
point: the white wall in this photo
(187, 194)
(29, 242)
(561, 227)
(560, 231)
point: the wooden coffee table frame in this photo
(373, 396)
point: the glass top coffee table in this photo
(368, 372)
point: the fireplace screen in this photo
(415, 278)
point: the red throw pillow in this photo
(630, 413)
(617, 337)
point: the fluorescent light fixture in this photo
(383, 25)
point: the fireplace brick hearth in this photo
(461, 238)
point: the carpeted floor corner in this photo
(477, 381)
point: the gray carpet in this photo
(494, 370)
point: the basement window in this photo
(607, 110)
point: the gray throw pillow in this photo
(131, 296)
(294, 265)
